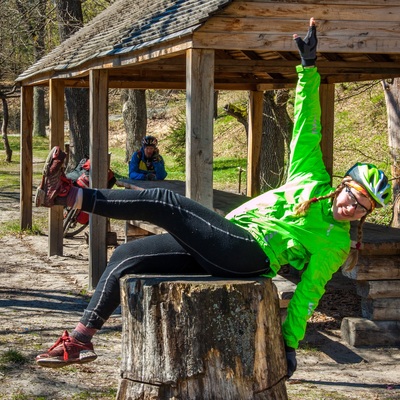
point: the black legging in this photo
(199, 241)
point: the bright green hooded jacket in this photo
(316, 241)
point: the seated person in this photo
(147, 164)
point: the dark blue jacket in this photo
(144, 169)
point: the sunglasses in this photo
(354, 202)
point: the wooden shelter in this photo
(202, 46)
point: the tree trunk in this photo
(70, 18)
(4, 127)
(134, 113)
(392, 97)
(34, 17)
(77, 102)
(277, 131)
(201, 337)
(39, 112)
(277, 128)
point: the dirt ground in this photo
(42, 296)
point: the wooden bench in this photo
(200, 337)
(223, 203)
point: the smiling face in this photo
(350, 205)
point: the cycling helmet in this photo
(149, 141)
(373, 180)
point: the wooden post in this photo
(199, 125)
(254, 143)
(98, 170)
(56, 106)
(200, 337)
(327, 95)
(26, 157)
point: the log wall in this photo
(378, 283)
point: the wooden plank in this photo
(363, 332)
(283, 42)
(378, 240)
(199, 125)
(378, 289)
(137, 227)
(26, 175)
(373, 268)
(56, 108)
(98, 171)
(381, 309)
(330, 25)
(327, 95)
(322, 11)
(254, 142)
(285, 289)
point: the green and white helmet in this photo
(373, 180)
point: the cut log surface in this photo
(363, 332)
(201, 337)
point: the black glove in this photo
(291, 360)
(151, 177)
(308, 46)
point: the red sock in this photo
(83, 333)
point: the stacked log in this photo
(378, 283)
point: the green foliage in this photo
(176, 141)
(91, 8)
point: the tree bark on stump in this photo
(200, 337)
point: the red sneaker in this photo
(67, 350)
(54, 183)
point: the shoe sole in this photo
(85, 356)
(39, 197)
(40, 193)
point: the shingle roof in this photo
(142, 43)
(125, 26)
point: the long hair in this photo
(352, 258)
(303, 207)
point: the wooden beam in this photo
(56, 105)
(199, 125)
(26, 157)
(98, 116)
(327, 95)
(254, 143)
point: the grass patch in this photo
(19, 395)
(12, 227)
(107, 393)
(11, 359)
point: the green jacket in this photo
(316, 241)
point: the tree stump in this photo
(200, 337)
